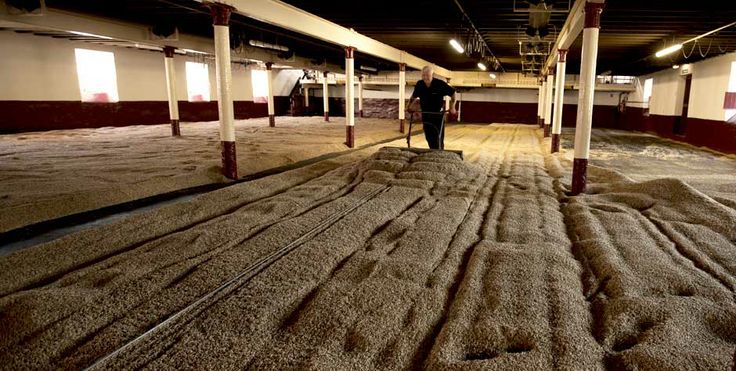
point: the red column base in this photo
(540, 122)
(327, 116)
(555, 143)
(547, 130)
(229, 164)
(350, 136)
(401, 126)
(175, 131)
(579, 175)
(360, 113)
(271, 121)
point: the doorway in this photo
(681, 122)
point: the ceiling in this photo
(631, 30)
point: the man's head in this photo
(427, 75)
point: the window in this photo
(730, 113)
(198, 82)
(623, 79)
(96, 73)
(259, 79)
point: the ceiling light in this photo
(675, 66)
(456, 45)
(368, 68)
(261, 44)
(90, 35)
(481, 66)
(193, 51)
(493, 75)
(668, 50)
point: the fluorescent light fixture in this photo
(492, 75)
(675, 66)
(456, 45)
(90, 35)
(668, 50)
(368, 68)
(193, 51)
(481, 66)
(148, 47)
(261, 44)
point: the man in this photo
(431, 93)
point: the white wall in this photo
(43, 68)
(668, 89)
(709, 85)
(31, 68)
(284, 81)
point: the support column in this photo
(325, 96)
(360, 95)
(447, 100)
(220, 20)
(402, 96)
(171, 90)
(559, 100)
(269, 78)
(540, 104)
(349, 97)
(542, 101)
(306, 101)
(548, 102)
(585, 99)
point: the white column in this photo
(171, 90)
(269, 80)
(540, 103)
(325, 96)
(559, 100)
(584, 121)
(402, 96)
(360, 96)
(350, 97)
(221, 19)
(306, 99)
(548, 102)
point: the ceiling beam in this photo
(569, 32)
(59, 20)
(292, 18)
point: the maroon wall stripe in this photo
(20, 116)
(714, 134)
(729, 101)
